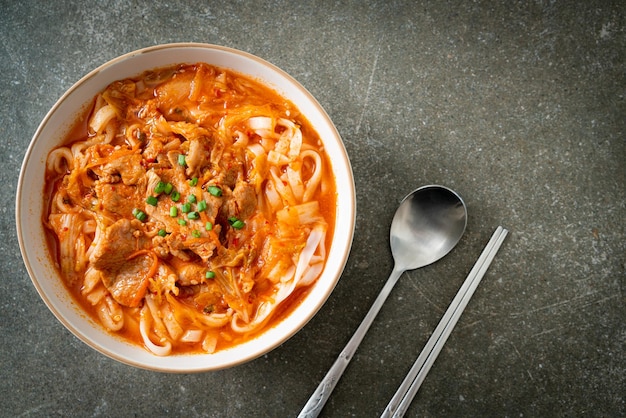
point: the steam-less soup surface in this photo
(190, 208)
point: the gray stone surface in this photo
(518, 105)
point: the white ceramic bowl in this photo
(53, 128)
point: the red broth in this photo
(182, 202)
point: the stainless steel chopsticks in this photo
(413, 380)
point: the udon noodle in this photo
(190, 208)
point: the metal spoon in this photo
(428, 224)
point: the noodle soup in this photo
(190, 208)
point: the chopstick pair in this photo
(413, 380)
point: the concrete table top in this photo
(518, 106)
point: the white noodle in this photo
(242, 139)
(314, 180)
(96, 295)
(295, 182)
(61, 205)
(256, 149)
(70, 223)
(307, 253)
(192, 336)
(283, 191)
(209, 343)
(173, 327)
(80, 251)
(159, 326)
(272, 196)
(292, 136)
(111, 314)
(96, 240)
(92, 278)
(216, 320)
(101, 118)
(159, 350)
(109, 133)
(261, 123)
(131, 138)
(276, 158)
(267, 307)
(311, 274)
(59, 160)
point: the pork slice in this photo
(213, 204)
(190, 273)
(230, 171)
(123, 273)
(129, 282)
(127, 166)
(181, 245)
(245, 199)
(117, 242)
(119, 198)
(240, 203)
(198, 157)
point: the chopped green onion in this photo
(236, 223)
(162, 232)
(194, 181)
(192, 198)
(201, 205)
(193, 215)
(210, 274)
(168, 188)
(182, 222)
(196, 233)
(139, 214)
(185, 207)
(175, 196)
(173, 211)
(215, 191)
(182, 160)
(159, 188)
(151, 200)
(208, 226)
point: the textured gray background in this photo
(518, 105)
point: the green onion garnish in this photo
(151, 200)
(208, 226)
(168, 188)
(192, 198)
(215, 191)
(159, 188)
(210, 275)
(193, 215)
(173, 211)
(175, 196)
(182, 160)
(201, 205)
(196, 233)
(236, 223)
(182, 222)
(194, 181)
(162, 232)
(139, 214)
(185, 207)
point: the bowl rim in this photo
(343, 161)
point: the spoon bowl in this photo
(429, 222)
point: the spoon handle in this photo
(413, 380)
(318, 399)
